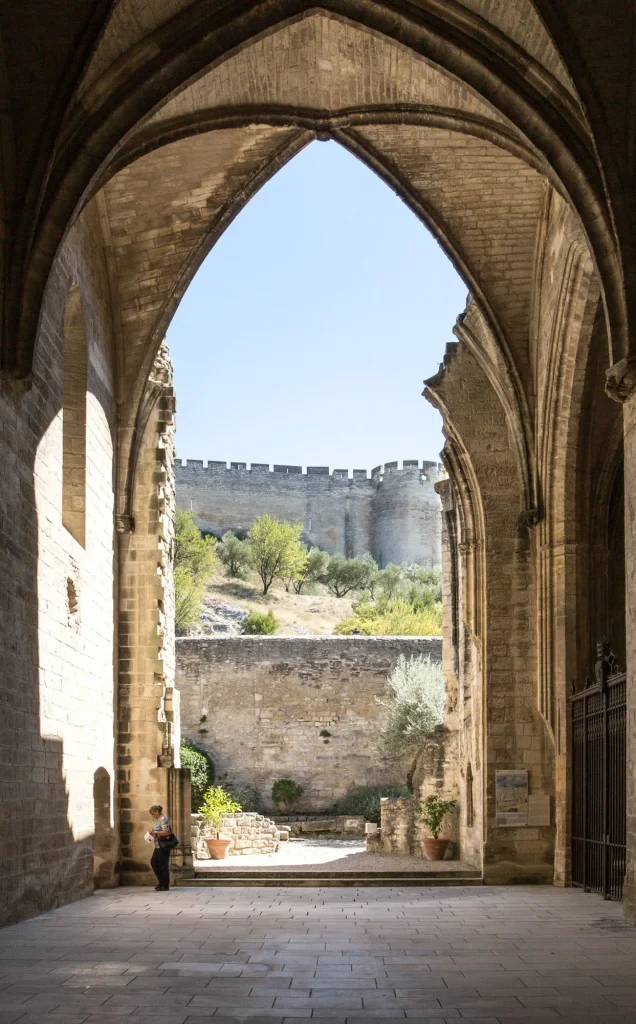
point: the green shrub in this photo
(216, 804)
(365, 801)
(286, 793)
(393, 618)
(247, 796)
(260, 623)
(201, 771)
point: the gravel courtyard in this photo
(326, 855)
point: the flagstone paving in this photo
(262, 956)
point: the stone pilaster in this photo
(629, 425)
(148, 703)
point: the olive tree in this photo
(234, 554)
(346, 574)
(276, 552)
(415, 707)
(311, 571)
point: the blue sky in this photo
(306, 334)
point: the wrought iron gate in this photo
(599, 771)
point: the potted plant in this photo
(286, 793)
(432, 812)
(216, 805)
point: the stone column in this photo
(179, 809)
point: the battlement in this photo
(427, 469)
(393, 512)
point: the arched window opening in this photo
(74, 419)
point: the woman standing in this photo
(160, 860)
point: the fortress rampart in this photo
(394, 513)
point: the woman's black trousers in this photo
(160, 864)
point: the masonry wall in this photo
(259, 704)
(57, 611)
(393, 513)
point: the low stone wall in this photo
(339, 824)
(402, 832)
(251, 833)
(305, 708)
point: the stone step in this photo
(354, 879)
(243, 872)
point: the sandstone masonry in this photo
(292, 707)
(394, 513)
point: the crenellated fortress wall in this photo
(394, 513)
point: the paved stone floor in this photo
(206, 956)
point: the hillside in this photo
(228, 601)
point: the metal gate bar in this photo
(599, 769)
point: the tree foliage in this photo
(415, 706)
(234, 554)
(312, 571)
(201, 771)
(424, 585)
(276, 550)
(194, 562)
(346, 574)
(390, 579)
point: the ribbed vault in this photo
(486, 70)
(164, 209)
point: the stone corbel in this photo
(124, 523)
(447, 495)
(529, 518)
(620, 382)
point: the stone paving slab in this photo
(522, 955)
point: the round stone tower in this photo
(406, 514)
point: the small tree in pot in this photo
(216, 805)
(432, 811)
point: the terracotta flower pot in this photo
(218, 848)
(434, 849)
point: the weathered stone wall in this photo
(393, 514)
(57, 605)
(260, 704)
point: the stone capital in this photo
(620, 383)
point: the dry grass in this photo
(298, 614)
